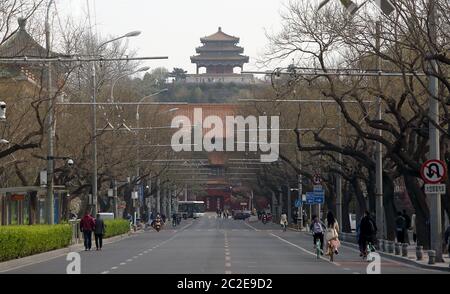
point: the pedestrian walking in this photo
(400, 225)
(87, 225)
(447, 240)
(413, 227)
(99, 232)
(407, 225)
(284, 221)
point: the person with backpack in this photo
(367, 232)
(318, 228)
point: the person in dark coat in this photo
(87, 226)
(367, 232)
(407, 225)
(99, 232)
(400, 225)
(447, 239)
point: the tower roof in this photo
(219, 36)
(21, 44)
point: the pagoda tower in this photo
(219, 54)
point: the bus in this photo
(191, 209)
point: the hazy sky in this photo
(173, 27)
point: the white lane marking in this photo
(356, 273)
(304, 250)
(228, 272)
(135, 257)
(252, 227)
(346, 269)
(227, 258)
(146, 251)
(114, 267)
(227, 253)
(105, 272)
(140, 254)
(123, 263)
(129, 260)
(227, 264)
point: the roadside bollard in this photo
(405, 250)
(390, 246)
(383, 245)
(380, 244)
(431, 257)
(419, 252)
(397, 248)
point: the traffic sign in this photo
(298, 202)
(310, 197)
(435, 188)
(433, 171)
(317, 179)
(315, 197)
(318, 188)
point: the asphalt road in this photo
(217, 246)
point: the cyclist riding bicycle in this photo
(318, 228)
(367, 234)
(283, 221)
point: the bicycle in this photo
(369, 248)
(174, 222)
(330, 251)
(284, 227)
(317, 247)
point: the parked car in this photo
(239, 214)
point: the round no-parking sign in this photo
(433, 171)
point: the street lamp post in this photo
(94, 118)
(138, 126)
(142, 69)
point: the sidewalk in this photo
(45, 256)
(410, 259)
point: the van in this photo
(106, 215)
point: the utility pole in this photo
(433, 88)
(116, 208)
(289, 204)
(158, 195)
(50, 162)
(339, 176)
(379, 147)
(300, 196)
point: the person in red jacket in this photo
(87, 225)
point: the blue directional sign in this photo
(315, 197)
(318, 188)
(310, 197)
(298, 202)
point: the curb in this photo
(403, 259)
(394, 257)
(45, 256)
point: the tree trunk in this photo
(419, 202)
(371, 187)
(33, 208)
(346, 199)
(361, 207)
(389, 207)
